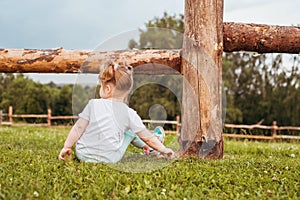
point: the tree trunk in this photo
(261, 38)
(201, 132)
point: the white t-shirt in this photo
(104, 135)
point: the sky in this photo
(87, 24)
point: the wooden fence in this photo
(49, 118)
(274, 128)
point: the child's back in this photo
(108, 121)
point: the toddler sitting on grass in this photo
(107, 125)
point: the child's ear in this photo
(108, 89)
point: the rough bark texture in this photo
(72, 61)
(261, 38)
(201, 132)
(237, 37)
(43, 61)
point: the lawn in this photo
(29, 169)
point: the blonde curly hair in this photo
(119, 75)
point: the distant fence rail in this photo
(273, 128)
(10, 116)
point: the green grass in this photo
(250, 170)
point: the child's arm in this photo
(75, 133)
(154, 142)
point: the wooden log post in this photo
(201, 130)
(274, 129)
(178, 124)
(49, 116)
(1, 113)
(10, 114)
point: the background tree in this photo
(5, 79)
(25, 96)
(158, 98)
(161, 33)
(81, 95)
(261, 87)
(152, 99)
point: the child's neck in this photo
(116, 99)
(117, 96)
(121, 98)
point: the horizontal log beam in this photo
(261, 38)
(72, 61)
(236, 37)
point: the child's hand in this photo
(169, 153)
(65, 152)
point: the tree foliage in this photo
(261, 87)
(157, 97)
(29, 97)
(161, 33)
